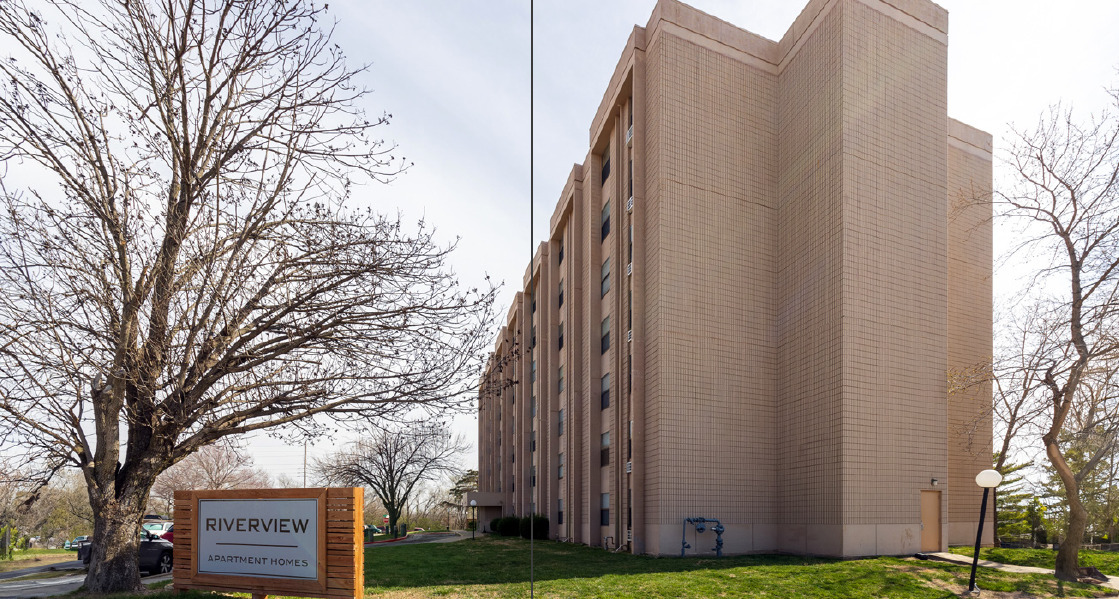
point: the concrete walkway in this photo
(1112, 582)
(424, 537)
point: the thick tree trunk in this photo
(114, 564)
(1067, 566)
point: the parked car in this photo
(156, 554)
(158, 528)
(76, 543)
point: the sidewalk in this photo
(1112, 582)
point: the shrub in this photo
(509, 526)
(539, 525)
(495, 524)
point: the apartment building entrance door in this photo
(930, 520)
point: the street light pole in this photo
(988, 479)
(474, 529)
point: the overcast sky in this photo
(455, 75)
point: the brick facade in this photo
(790, 270)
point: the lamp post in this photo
(988, 479)
(473, 529)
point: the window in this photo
(533, 475)
(559, 513)
(560, 253)
(559, 460)
(606, 391)
(605, 514)
(532, 406)
(561, 293)
(533, 302)
(631, 243)
(605, 334)
(605, 276)
(629, 508)
(605, 220)
(560, 335)
(533, 335)
(605, 449)
(605, 165)
(560, 427)
(631, 177)
(533, 375)
(561, 378)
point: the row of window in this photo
(604, 513)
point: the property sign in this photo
(264, 537)
(289, 542)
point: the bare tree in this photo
(223, 465)
(1067, 195)
(178, 264)
(395, 463)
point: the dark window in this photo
(631, 178)
(561, 253)
(561, 378)
(534, 303)
(559, 513)
(606, 391)
(631, 243)
(560, 428)
(533, 335)
(532, 442)
(605, 276)
(605, 334)
(560, 467)
(533, 375)
(604, 519)
(561, 292)
(605, 165)
(605, 220)
(605, 449)
(629, 510)
(532, 406)
(560, 335)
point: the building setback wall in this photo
(790, 285)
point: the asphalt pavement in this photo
(49, 587)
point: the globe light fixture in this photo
(987, 479)
(474, 504)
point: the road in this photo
(48, 587)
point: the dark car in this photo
(156, 555)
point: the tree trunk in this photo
(995, 516)
(114, 564)
(1067, 566)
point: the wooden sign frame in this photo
(341, 548)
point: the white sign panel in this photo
(275, 538)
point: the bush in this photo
(539, 525)
(495, 523)
(509, 526)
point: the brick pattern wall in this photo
(809, 281)
(715, 280)
(969, 330)
(894, 266)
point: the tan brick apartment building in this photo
(752, 294)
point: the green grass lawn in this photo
(1106, 561)
(496, 567)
